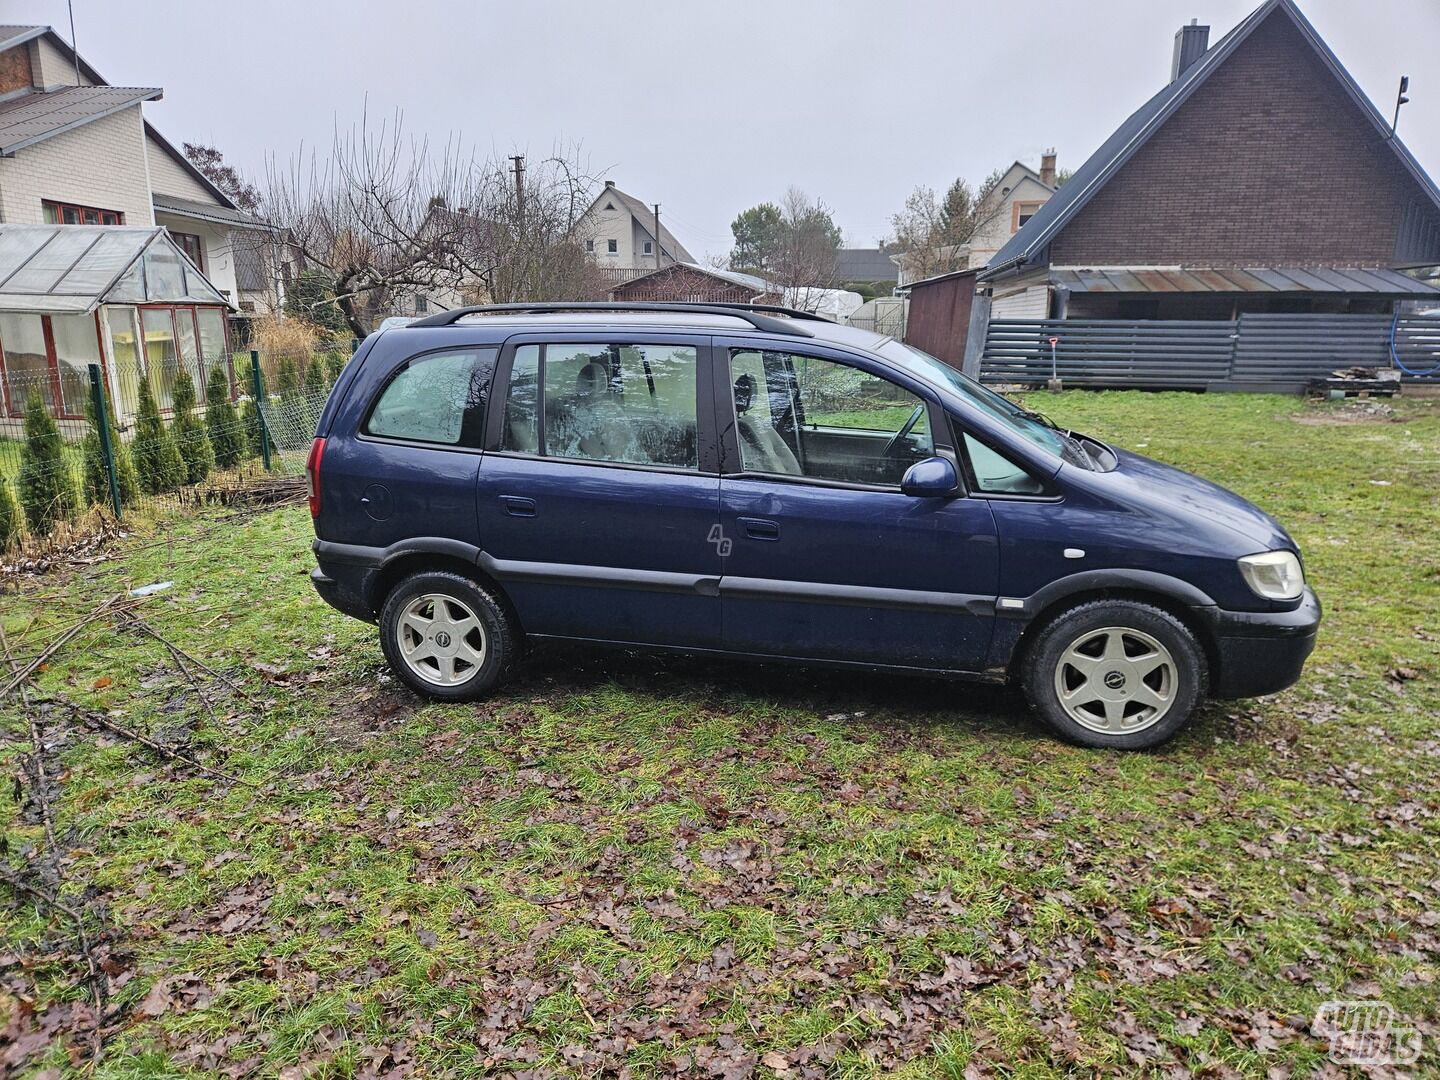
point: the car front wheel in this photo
(446, 637)
(1115, 674)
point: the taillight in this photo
(312, 475)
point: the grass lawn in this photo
(668, 864)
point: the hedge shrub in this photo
(46, 488)
(157, 460)
(190, 436)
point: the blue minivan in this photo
(766, 484)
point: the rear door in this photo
(410, 469)
(598, 494)
(829, 559)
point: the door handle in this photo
(518, 505)
(760, 528)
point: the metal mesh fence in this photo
(177, 434)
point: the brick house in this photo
(688, 283)
(1260, 180)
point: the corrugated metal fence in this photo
(1254, 352)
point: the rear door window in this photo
(438, 398)
(629, 404)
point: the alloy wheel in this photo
(1116, 680)
(441, 639)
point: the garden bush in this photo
(157, 460)
(47, 490)
(226, 436)
(97, 477)
(315, 382)
(190, 435)
(250, 422)
(334, 365)
(10, 520)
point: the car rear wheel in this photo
(1115, 674)
(446, 637)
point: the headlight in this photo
(1275, 575)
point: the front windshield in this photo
(988, 401)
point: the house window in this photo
(422, 305)
(1022, 212)
(612, 246)
(190, 244)
(590, 246)
(58, 213)
(648, 247)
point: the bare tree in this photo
(384, 215)
(805, 260)
(933, 233)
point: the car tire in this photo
(1115, 674)
(446, 636)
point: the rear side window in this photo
(438, 398)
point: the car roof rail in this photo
(760, 316)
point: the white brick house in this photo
(75, 150)
(618, 231)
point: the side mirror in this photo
(930, 479)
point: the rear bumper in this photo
(1262, 652)
(344, 577)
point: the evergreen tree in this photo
(97, 477)
(250, 423)
(334, 365)
(10, 519)
(223, 425)
(47, 490)
(190, 436)
(287, 379)
(315, 384)
(157, 461)
(311, 296)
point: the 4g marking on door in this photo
(723, 544)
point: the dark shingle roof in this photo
(1028, 244)
(865, 264)
(32, 118)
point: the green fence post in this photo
(258, 389)
(107, 449)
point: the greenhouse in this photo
(126, 298)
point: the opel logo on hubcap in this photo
(442, 639)
(1114, 680)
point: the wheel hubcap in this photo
(1116, 680)
(441, 639)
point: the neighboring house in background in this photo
(618, 231)
(1006, 208)
(866, 266)
(76, 151)
(688, 283)
(1261, 179)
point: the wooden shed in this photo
(939, 317)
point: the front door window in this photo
(803, 416)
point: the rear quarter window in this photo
(436, 398)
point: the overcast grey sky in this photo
(708, 110)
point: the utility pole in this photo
(657, 236)
(519, 160)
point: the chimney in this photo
(1047, 167)
(1190, 44)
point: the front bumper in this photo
(1262, 652)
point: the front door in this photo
(598, 495)
(829, 560)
